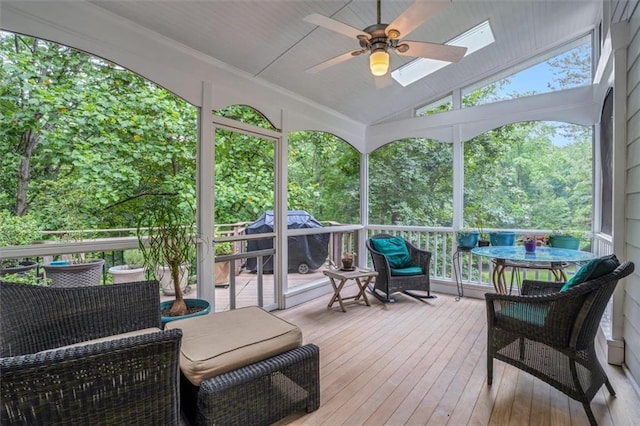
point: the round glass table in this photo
(549, 258)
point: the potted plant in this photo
(17, 231)
(565, 239)
(132, 271)
(467, 238)
(167, 241)
(78, 270)
(483, 238)
(530, 242)
(348, 258)
(502, 238)
(222, 269)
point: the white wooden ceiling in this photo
(270, 40)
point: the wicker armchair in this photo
(130, 380)
(550, 334)
(387, 283)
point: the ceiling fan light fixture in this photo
(379, 62)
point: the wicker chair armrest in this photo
(548, 318)
(123, 381)
(531, 287)
(420, 257)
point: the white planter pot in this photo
(126, 274)
(163, 275)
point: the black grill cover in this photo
(311, 250)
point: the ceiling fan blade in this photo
(441, 52)
(333, 61)
(415, 15)
(337, 26)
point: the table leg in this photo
(363, 287)
(515, 275)
(557, 269)
(336, 293)
(498, 276)
(457, 271)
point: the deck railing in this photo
(440, 241)
(475, 270)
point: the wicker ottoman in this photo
(245, 367)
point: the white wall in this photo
(632, 199)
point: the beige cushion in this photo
(216, 343)
(110, 338)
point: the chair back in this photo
(36, 318)
(377, 258)
(594, 305)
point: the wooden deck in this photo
(424, 363)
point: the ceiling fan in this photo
(379, 38)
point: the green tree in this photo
(81, 136)
(324, 176)
(411, 183)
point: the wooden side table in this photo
(362, 279)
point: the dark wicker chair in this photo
(550, 334)
(132, 380)
(386, 283)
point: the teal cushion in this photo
(395, 250)
(592, 270)
(411, 270)
(531, 314)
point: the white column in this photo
(281, 200)
(619, 39)
(458, 166)
(364, 209)
(205, 195)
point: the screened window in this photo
(606, 164)
(411, 183)
(324, 177)
(100, 141)
(441, 105)
(534, 175)
(564, 68)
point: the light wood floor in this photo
(424, 363)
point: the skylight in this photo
(474, 39)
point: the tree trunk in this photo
(28, 142)
(179, 307)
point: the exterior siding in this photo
(632, 201)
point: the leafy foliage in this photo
(17, 230)
(324, 177)
(411, 183)
(541, 185)
(166, 237)
(87, 144)
(81, 136)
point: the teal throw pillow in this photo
(592, 270)
(395, 250)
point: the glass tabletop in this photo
(542, 254)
